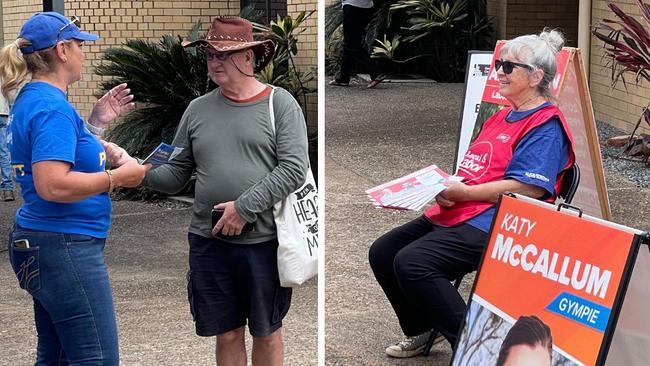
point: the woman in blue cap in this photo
(56, 246)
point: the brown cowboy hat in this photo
(227, 34)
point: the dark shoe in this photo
(8, 196)
(374, 82)
(335, 82)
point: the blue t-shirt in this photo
(45, 127)
(538, 159)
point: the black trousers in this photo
(355, 21)
(414, 264)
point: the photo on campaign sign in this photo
(504, 340)
(567, 272)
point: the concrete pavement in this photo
(146, 255)
(373, 136)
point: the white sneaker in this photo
(409, 347)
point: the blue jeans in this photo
(5, 161)
(73, 306)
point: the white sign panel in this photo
(478, 66)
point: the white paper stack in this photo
(413, 191)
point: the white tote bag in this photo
(296, 221)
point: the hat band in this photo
(226, 38)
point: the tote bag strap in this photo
(272, 116)
(272, 111)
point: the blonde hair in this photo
(16, 67)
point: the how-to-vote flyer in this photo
(565, 270)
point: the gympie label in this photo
(561, 268)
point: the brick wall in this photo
(14, 14)
(307, 56)
(496, 9)
(531, 16)
(615, 106)
(276, 7)
(116, 21)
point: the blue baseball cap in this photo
(44, 30)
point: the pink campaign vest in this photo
(488, 157)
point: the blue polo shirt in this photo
(543, 151)
(45, 127)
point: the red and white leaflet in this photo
(412, 191)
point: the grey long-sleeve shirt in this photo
(238, 158)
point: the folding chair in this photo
(570, 183)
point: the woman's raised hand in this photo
(111, 105)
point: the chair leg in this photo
(432, 338)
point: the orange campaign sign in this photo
(554, 268)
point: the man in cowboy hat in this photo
(243, 167)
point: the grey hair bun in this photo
(553, 38)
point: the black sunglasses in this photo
(221, 56)
(74, 20)
(508, 66)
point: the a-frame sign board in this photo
(556, 277)
(571, 92)
(631, 342)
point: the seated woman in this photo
(524, 148)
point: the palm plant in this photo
(433, 36)
(627, 52)
(426, 15)
(447, 30)
(283, 72)
(164, 77)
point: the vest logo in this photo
(503, 137)
(476, 161)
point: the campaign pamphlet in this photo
(162, 154)
(413, 191)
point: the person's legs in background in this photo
(355, 21)
(6, 185)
